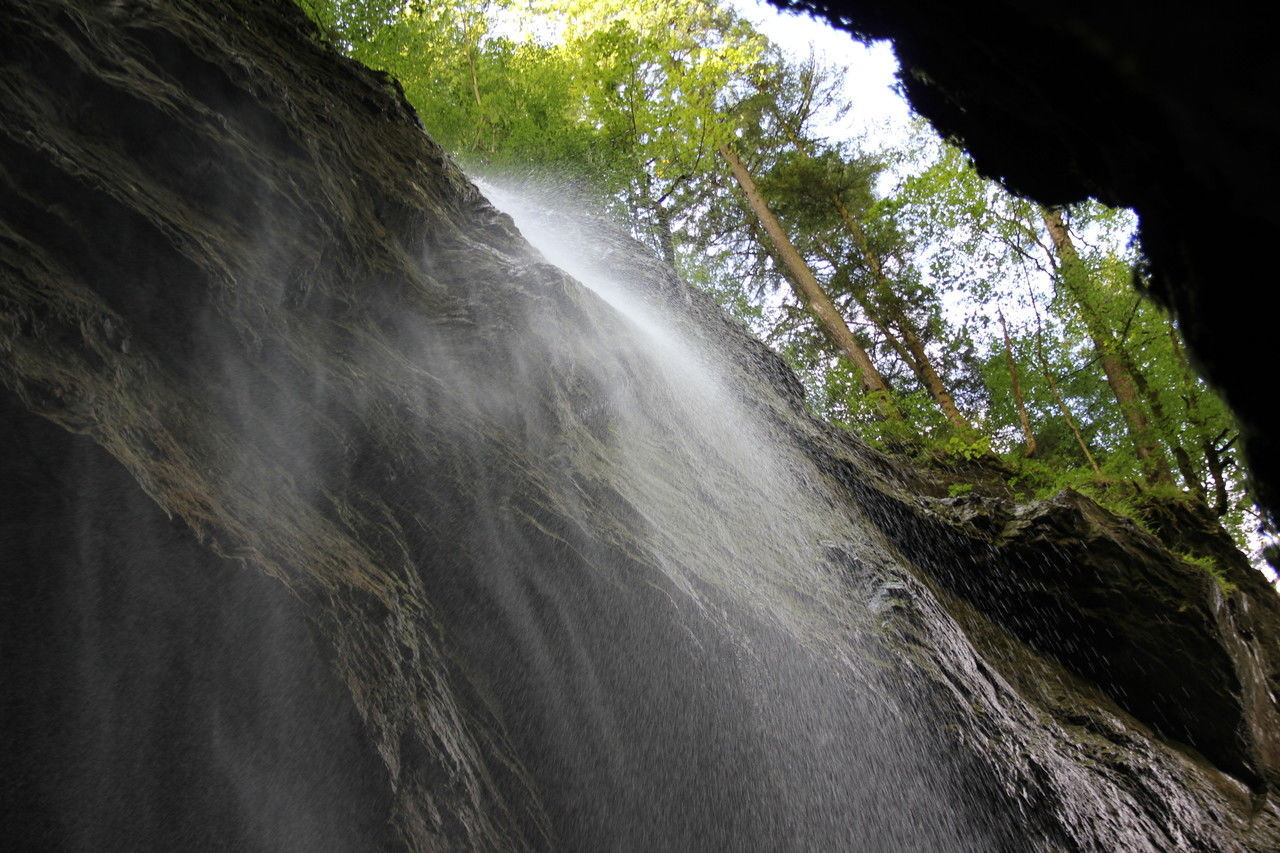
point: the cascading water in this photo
(703, 676)
(338, 518)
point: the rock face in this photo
(1139, 108)
(156, 695)
(531, 578)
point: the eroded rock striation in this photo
(240, 287)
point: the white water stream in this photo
(744, 711)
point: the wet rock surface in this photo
(156, 695)
(232, 261)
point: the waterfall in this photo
(337, 517)
(694, 670)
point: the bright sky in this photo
(879, 111)
(880, 114)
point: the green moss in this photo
(1209, 566)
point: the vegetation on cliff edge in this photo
(922, 305)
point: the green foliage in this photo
(348, 23)
(934, 268)
(700, 271)
(966, 447)
(1215, 571)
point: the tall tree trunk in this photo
(1166, 428)
(1057, 394)
(907, 344)
(1217, 462)
(666, 239)
(1066, 415)
(1187, 469)
(894, 342)
(919, 361)
(1027, 433)
(661, 218)
(807, 289)
(927, 375)
(1191, 402)
(873, 314)
(1121, 379)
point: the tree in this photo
(349, 23)
(1117, 365)
(808, 291)
(926, 299)
(829, 177)
(1024, 420)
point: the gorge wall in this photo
(337, 517)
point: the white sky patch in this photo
(880, 114)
